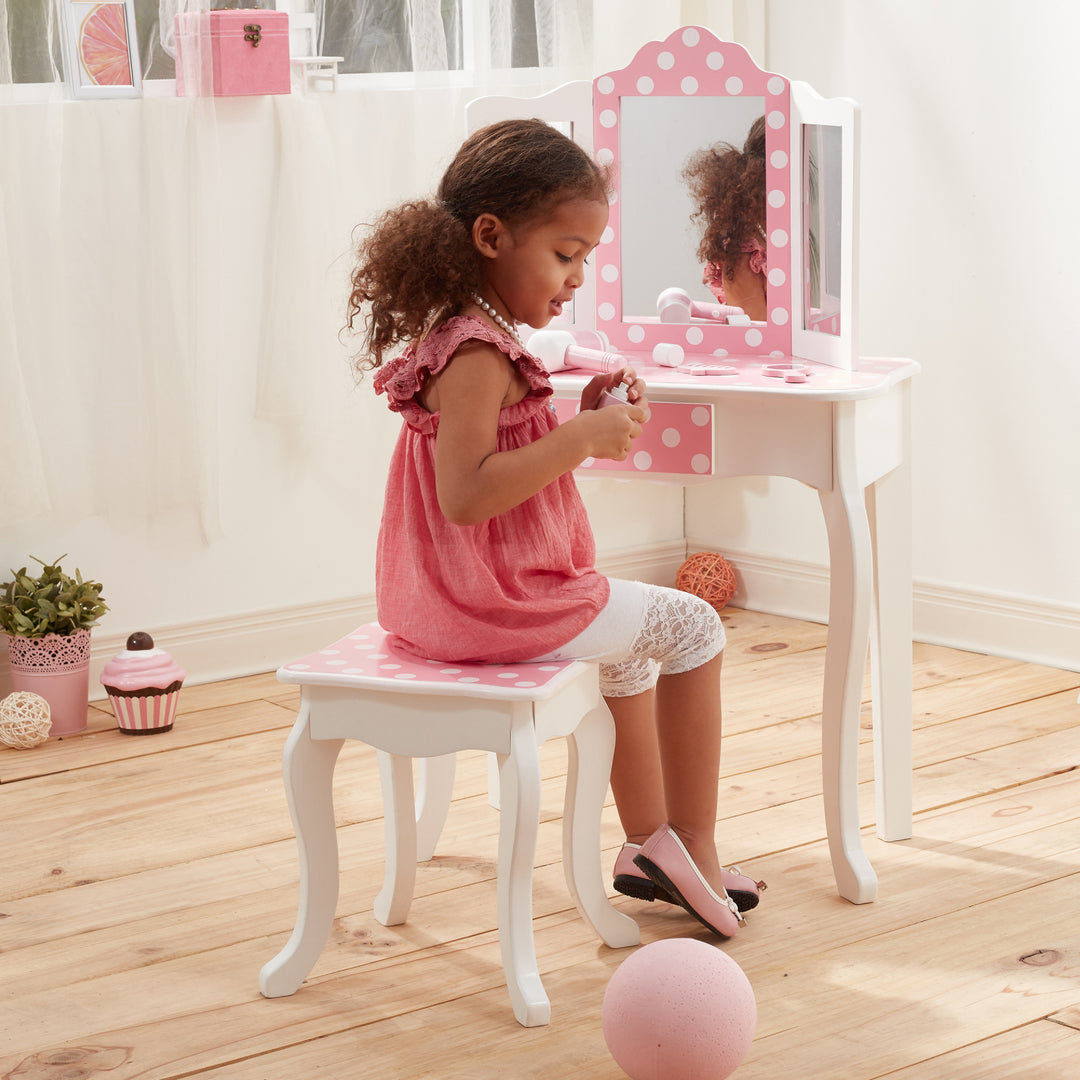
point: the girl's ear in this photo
(489, 235)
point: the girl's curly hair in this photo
(728, 188)
(418, 265)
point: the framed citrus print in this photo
(101, 55)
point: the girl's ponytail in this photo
(415, 268)
(727, 186)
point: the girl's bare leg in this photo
(637, 780)
(688, 721)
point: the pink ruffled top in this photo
(141, 669)
(515, 586)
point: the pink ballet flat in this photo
(668, 865)
(630, 881)
(745, 891)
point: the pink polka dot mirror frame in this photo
(692, 63)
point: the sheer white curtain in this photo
(107, 311)
(170, 265)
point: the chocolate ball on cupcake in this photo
(143, 684)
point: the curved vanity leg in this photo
(889, 506)
(589, 750)
(309, 787)
(850, 583)
(519, 824)
(435, 790)
(399, 820)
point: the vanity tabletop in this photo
(703, 378)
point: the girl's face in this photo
(532, 271)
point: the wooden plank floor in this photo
(145, 881)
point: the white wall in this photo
(968, 265)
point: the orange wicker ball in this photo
(708, 575)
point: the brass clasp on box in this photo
(253, 33)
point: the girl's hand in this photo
(610, 432)
(635, 389)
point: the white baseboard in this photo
(1001, 625)
(797, 590)
(655, 563)
(1018, 627)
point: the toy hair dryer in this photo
(557, 349)
(675, 306)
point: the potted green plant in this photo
(48, 617)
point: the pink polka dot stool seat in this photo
(361, 688)
(365, 655)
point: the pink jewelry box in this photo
(231, 53)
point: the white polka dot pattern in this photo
(677, 440)
(366, 656)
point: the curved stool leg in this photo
(309, 786)
(589, 750)
(519, 824)
(436, 789)
(392, 904)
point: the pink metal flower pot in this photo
(57, 667)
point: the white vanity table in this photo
(841, 425)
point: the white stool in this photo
(359, 688)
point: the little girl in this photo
(485, 551)
(728, 188)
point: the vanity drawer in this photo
(677, 441)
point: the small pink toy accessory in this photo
(790, 373)
(143, 684)
(675, 306)
(558, 349)
(617, 395)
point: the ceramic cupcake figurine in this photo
(143, 684)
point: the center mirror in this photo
(682, 101)
(662, 222)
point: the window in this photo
(374, 36)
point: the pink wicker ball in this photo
(678, 1009)
(708, 575)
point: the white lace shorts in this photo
(645, 631)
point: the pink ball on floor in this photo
(679, 1009)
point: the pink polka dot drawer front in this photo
(365, 658)
(676, 441)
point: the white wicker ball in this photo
(24, 720)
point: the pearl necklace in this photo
(496, 317)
